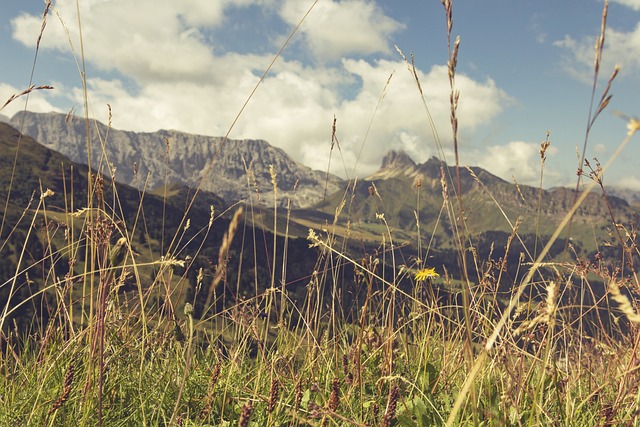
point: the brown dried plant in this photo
(334, 398)
(223, 254)
(392, 402)
(208, 403)
(245, 414)
(274, 390)
(67, 387)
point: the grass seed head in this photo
(334, 399)
(245, 414)
(118, 252)
(390, 412)
(66, 389)
(273, 395)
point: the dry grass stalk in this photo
(600, 41)
(208, 405)
(274, 180)
(298, 393)
(315, 411)
(223, 254)
(24, 92)
(623, 301)
(215, 376)
(519, 190)
(375, 410)
(348, 376)
(44, 22)
(604, 101)
(454, 94)
(546, 314)
(544, 145)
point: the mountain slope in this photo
(406, 192)
(176, 157)
(154, 223)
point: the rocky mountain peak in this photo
(397, 159)
(395, 163)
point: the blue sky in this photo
(524, 67)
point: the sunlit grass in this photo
(141, 321)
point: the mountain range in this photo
(45, 237)
(404, 206)
(232, 169)
(411, 197)
(410, 194)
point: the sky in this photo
(524, 68)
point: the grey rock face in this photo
(232, 169)
(394, 164)
(397, 159)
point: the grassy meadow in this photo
(140, 313)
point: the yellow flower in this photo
(426, 274)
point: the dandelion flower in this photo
(425, 274)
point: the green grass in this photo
(199, 323)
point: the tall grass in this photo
(376, 338)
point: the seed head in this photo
(118, 252)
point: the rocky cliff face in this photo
(232, 169)
(394, 164)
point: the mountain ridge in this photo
(151, 159)
(398, 164)
(408, 194)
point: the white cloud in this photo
(147, 40)
(600, 149)
(295, 106)
(633, 4)
(620, 48)
(517, 159)
(335, 29)
(629, 182)
(401, 121)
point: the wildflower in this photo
(426, 274)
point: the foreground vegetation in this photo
(167, 336)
